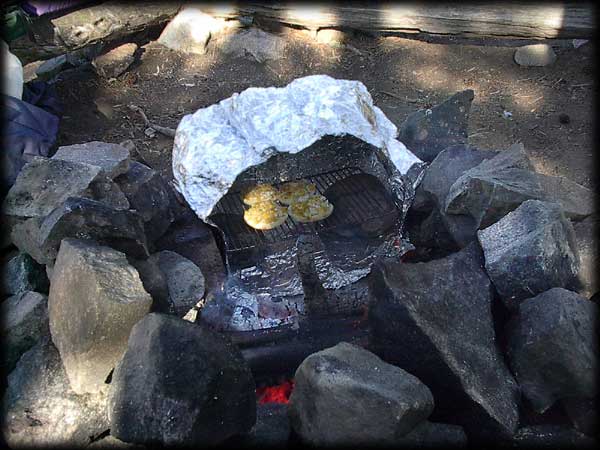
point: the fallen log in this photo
(107, 22)
(505, 20)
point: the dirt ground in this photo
(402, 75)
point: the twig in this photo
(581, 85)
(162, 130)
(392, 95)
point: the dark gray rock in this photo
(586, 233)
(84, 219)
(44, 184)
(175, 283)
(23, 321)
(108, 192)
(428, 132)
(96, 286)
(272, 428)
(180, 383)
(584, 414)
(347, 395)
(495, 187)
(548, 436)
(113, 159)
(435, 320)
(148, 193)
(434, 435)
(24, 235)
(22, 274)
(529, 251)
(553, 347)
(40, 409)
(576, 201)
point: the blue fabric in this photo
(28, 131)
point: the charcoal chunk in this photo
(180, 384)
(434, 320)
(347, 395)
(427, 132)
(529, 251)
(553, 347)
(95, 299)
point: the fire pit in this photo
(318, 130)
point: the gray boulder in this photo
(434, 320)
(428, 132)
(175, 283)
(434, 435)
(21, 274)
(347, 395)
(148, 194)
(39, 408)
(529, 251)
(553, 347)
(23, 321)
(180, 383)
(113, 159)
(95, 299)
(43, 184)
(586, 233)
(85, 219)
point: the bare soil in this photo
(402, 75)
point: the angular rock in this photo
(95, 299)
(435, 320)
(40, 409)
(261, 45)
(434, 435)
(553, 347)
(23, 274)
(347, 395)
(535, 55)
(576, 201)
(44, 184)
(116, 61)
(108, 192)
(549, 436)
(427, 132)
(113, 159)
(272, 427)
(175, 283)
(584, 414)
(180, 383)
(24, 320)
(529, 251)
(148, 194)
(586, 233)
(85, 219)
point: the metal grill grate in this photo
(240, 236)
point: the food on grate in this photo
(259, 193)
(296, 191)
(265, 215)
(315, 207)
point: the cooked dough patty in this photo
(315, 207)
(296, 191)
(259, 193)
(265, 215)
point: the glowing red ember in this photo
(275, 394)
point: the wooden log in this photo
(505, 20)
(106, 22)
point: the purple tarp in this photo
(39, 8)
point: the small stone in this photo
(261, 45)
(116, 61)
(347, 395)
(334, 38)
(535, 55)
(529, 251)
(564, 118)
(554, 329)
(113, 159)
(39, 408)
(180, 383)
(24, 320)
(97, 286)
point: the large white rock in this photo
(215, 144)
